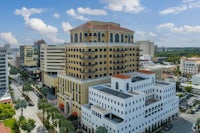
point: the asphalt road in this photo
(30, 111)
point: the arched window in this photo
(129, 39)
(71, 38)
(111, 37)
(117, 85)
(122, 38)
(99, 37)
(76, 37)
(90, 34)
(95, 34)
(85, 34)
(116, 37)
(80, 37)
(127, 86)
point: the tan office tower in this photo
(97, 50)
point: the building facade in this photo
(196, 79)
(3, 71)
(28, 56)
(52, 62)
(134, 103)
(189, 65)
(147, 47)
(97, 50)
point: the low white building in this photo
(136, 103)
(189, 65)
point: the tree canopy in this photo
(101, 129)
(6, 111)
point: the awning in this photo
(74, 114)
(61, 105)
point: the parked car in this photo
(168, 127)
(30, 104)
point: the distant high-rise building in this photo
(52, 62)
(146, 47)
(97, 50)
(28, 56)
(37, 46)
(3, 70)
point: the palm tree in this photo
(21, 104)
(66, 126)
(101, 129)
(42, 106)
(26, 87)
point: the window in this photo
(80, 37)
(99, 37)
(111, 37)
(129, 39)
(95, 34)
(127, 86)
(116, 37)
(122, 37)
(71, 38)
(76, 37)
(117, 85)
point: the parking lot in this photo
(183, 123)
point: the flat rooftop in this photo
(150, 101)
(113, 92)
(162, 83)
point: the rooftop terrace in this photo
(150, 101)
(113, 92)
(137, 78)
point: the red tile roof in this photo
(146, 71)
(103, 25)
(121, 76)
(4, 129)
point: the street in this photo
(30, 111)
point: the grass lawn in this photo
(10, 123)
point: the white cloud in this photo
(72, 13)
(133, 6)
(49, 31)
(56, 15)
(25, 12)
(66, 26)
(165, 26)
(8, 37)
(38, 25)
(89, 11)
(185, 5)
(174, 10)
(183, 29)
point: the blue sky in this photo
(167, 23)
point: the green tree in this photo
(198, 124)
(27, 87)
(24, 75)
(66, 126)
(42, 104)
(6, 111)
(13, 70)
(101, 129)
(21, 104)
(27, 125)
(188, 88)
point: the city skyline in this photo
(169, 24)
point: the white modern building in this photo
(146, 47)
(134, 103)
(3, 70)
(189, 65)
